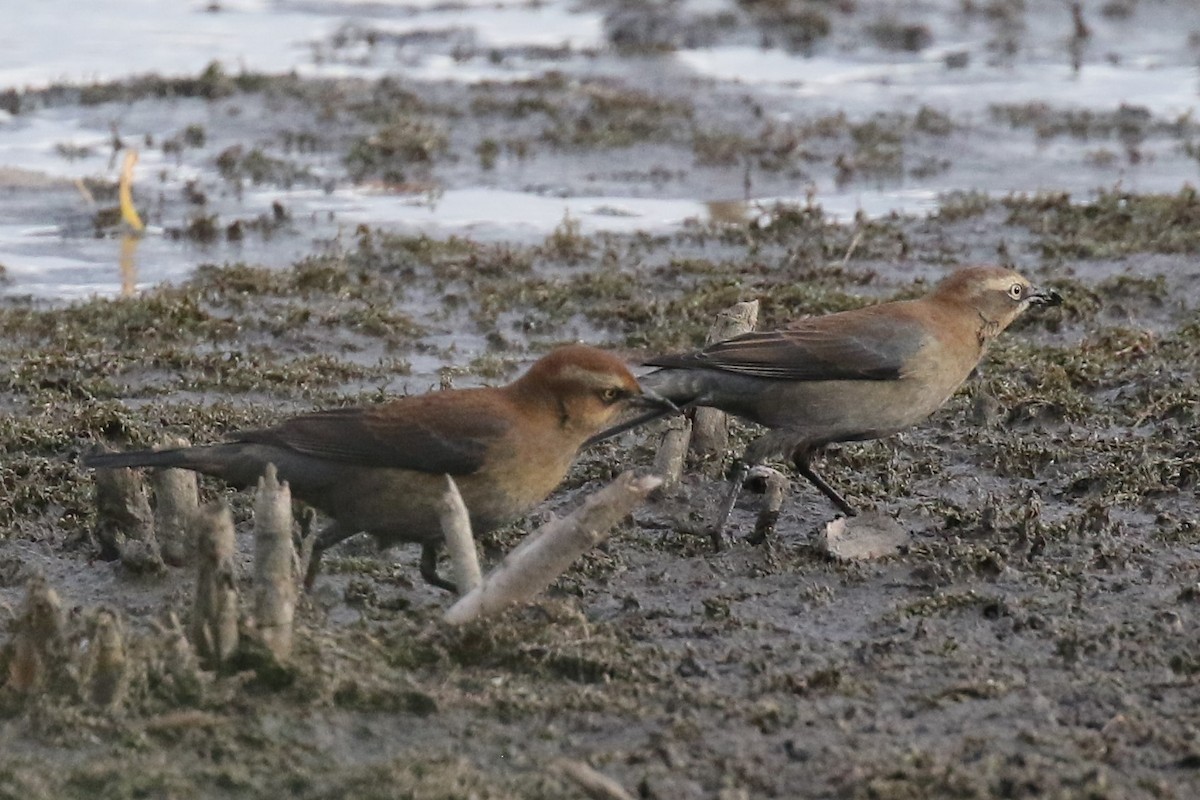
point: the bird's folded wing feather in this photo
(411, 433)
(854, 346)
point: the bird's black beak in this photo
(659, 407)
(1045, 297)
(649, 399)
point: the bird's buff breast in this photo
(847, 410)
(403, 506)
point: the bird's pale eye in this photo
(1016, 291)
(610, 395)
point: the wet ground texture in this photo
(1038, 638)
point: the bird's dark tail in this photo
(236, 463)
(138, 458)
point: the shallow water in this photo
(50, 250)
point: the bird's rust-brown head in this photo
(996, 294)
(587, 388)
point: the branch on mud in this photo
(545, 554)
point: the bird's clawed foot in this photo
(716, 534)
(772, 483)
(313, 546)
(305, 543)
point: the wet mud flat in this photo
(1037, 639)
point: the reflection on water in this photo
(128, 263)
(966, 66)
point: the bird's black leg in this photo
(324, 540)
(717, 534)
(429, 559)
(307, 519)
(802, 458)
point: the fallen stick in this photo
(275, 564)
(594, 783)
(710, 431)
(535, 564)
(176, 498)
(460, 543)
(214, 626)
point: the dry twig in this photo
(536, 562)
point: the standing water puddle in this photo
(987, 104)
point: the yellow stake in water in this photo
(125, 192)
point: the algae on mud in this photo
(1032, 642)
(1035, 641)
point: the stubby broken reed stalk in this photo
(544, 556)
(460, 542)
(176, 498)
(275, 565)
(107, 667)
(668, 461)
(774, 486)
(710, 431)
(594, 784)
(35, 657)
(174, 657)
(124, 522)
(215, 614)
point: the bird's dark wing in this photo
(424, 433)
(857, 345)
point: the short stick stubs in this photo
(124, 522)
(710, 432)
(214, 628)
(176, 499)
(774, 486)
(107, 664)
(668, 462)
(275, 564)
(460, 542)
(34, 658)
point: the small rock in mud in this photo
(863, 537)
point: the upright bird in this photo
(849, 376)
(379, 469)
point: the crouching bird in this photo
(379, 469)
(849, 376)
